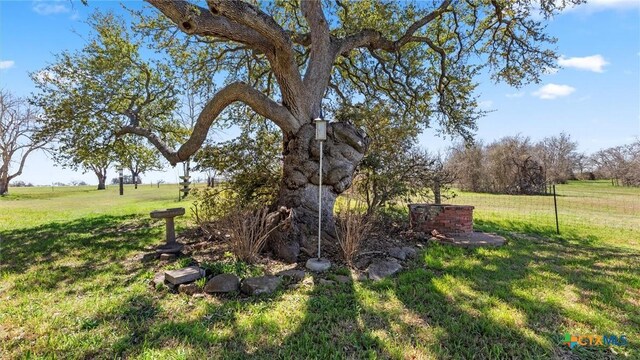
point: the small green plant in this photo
(239, 268)
(180, 263)
(200, 283)
(342, 271)
(210, 205)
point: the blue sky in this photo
(594, 96)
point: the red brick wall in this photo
(447, 219)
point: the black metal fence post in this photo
(555, 206)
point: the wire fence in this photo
(596, 205)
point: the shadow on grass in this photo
(510, 302)
(331, 328)
(520, 299)
(313, 323)
(50, 255)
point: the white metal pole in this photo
(320, 203)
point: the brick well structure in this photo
(447, 219)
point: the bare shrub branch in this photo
(352, 227)
(249, 231)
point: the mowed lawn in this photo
(69, 289)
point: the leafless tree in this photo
(620, 163)
(506, 166)
(559, 158)
(466, 161)
(18, 137)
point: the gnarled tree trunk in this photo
(4, 181)
(343, 150)
(102, 179)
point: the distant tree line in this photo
(516, 165)
(20, 183)
(127, 179)
(621, 164)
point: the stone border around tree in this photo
(183, 281)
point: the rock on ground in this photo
(294, 274)
(167, 257)
(158, 279)
(188, 289)
(397, 253)
(222, 283)
(343, 279)
(260, 285)
(327, 282)
(402, 253)
(410, 252)
(383, 268)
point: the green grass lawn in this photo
(587, 210)
(69, 290)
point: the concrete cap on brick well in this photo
(446, 206)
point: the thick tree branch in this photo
(374, 39)
(23, 160)
(196, 20)
(238, 91)
(244, 23)
(322, 54)
(252, 17)
(281, 58)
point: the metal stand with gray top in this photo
(172, 246)
(319, 264)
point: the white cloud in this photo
(50, 7)
(553, 91)
(594, 63)
(515, 95)
(6, 64)
(613, 3)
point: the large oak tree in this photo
(282, 59)
(90, 94)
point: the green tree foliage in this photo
(136, 157)
(251, 165)
(89, 94)
(394, 168)
(422, 57)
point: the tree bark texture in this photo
(4, 181)
(102, 179)
(343, 150)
